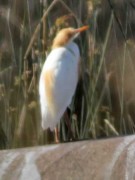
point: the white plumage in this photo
(59, 79)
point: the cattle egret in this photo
(59, 77)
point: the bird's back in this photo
(58, 83)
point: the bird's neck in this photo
(73, 48)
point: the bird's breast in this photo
(63, 55)
(59, 75)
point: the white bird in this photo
(59, 77)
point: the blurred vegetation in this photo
(104, 103)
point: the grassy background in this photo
(103, 105)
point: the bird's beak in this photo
(81, 29)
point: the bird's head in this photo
(66, 35)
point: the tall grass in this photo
(28, 29)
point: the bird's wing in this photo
(49, 88)
(46, 88)
(60, 79)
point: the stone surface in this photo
(109, 159)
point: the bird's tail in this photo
(49, 120)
